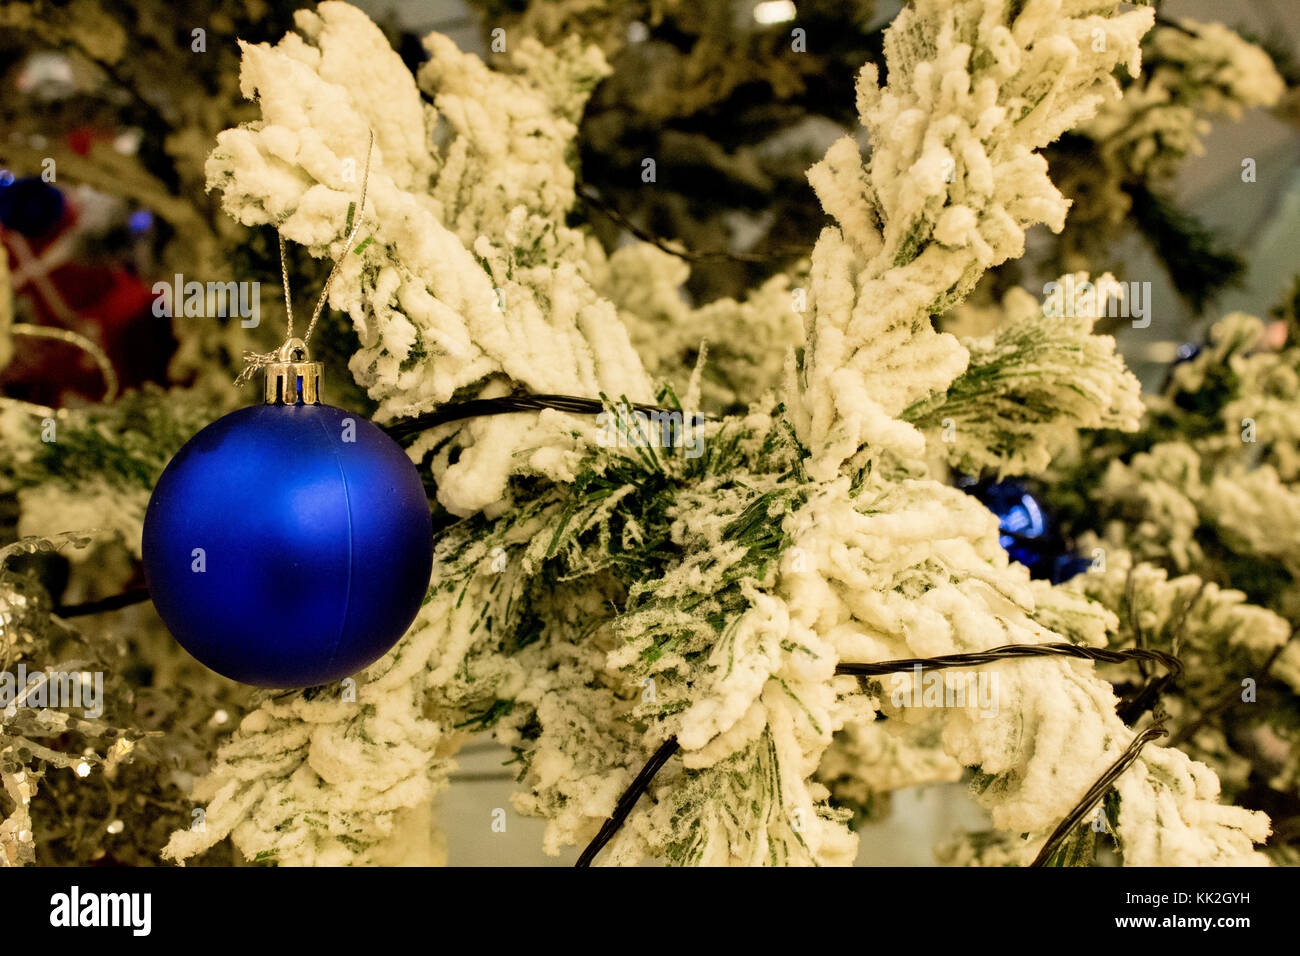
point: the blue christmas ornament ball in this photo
(288, 545)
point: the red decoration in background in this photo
(81, 139)
(104, 301)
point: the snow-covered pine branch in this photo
(466, 275)
(1032, 383)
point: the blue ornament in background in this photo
(288, 544)
(140, 221)
(1022, 520)
(1029, 535)
(30, 205)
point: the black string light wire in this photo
(1099, 790)
(1009, 651)
(1145, 697)
(591, 198)
(623, 809)
(404, 429)
(110, 603)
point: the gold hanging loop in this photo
(292, 378)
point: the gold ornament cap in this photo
(293, 378)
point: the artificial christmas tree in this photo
(748, 588)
